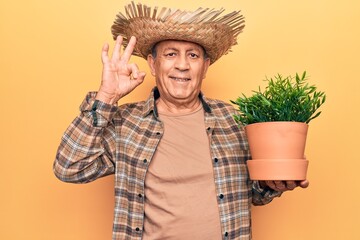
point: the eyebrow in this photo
(177, 50)
(171, 48)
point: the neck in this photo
(169, 107)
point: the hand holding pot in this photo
(283, 186)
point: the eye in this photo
(194, 55)
(170, 54)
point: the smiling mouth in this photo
(179, 79)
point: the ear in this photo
(151, 63)
(207, 64)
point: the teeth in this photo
(180, 79)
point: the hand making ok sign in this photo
(119, 77)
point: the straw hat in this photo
(204, 26)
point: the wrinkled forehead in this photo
(177, 44)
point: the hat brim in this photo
(215, 35)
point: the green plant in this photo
(284, 99)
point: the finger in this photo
(271, 184)
(304, 184)
(117, 48)
(141, 76)
(137, 81)
(133, 69)
(280, 185)
(104, 53)
(275, 185)
(291, 185)
(128, 50)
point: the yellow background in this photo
(50, 58)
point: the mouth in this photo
(179, 79)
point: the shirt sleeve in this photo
(262, 196)
(88, 146)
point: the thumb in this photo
(304, 184)
(140, 76)
(138, 79)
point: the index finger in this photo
(128, 50)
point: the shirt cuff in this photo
(100, 113)
(267, 194)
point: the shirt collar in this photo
(150, 106)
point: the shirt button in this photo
(208, 128)
(140, 195)
(145, 160)
(137, 229)
(158, 133)
(221, 196)
(226, 234)
(216, 160)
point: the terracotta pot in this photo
(277, 150)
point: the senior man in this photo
(179, 158)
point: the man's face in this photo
(179, 68)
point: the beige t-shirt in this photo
(180, 198)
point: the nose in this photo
(182, 63)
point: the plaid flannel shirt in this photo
(107, 139)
